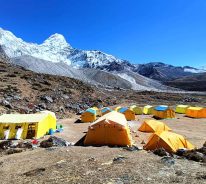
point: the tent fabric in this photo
(163, 114)
(129, 114)
(98, 112)
(39, 124)
(91, 111)
(123, 109)
(151, 125)
(181, 109)
(105, 110)
(196, 112)
(88, 116)
(148, 109)
(161, 108)
(170, 141)
(111, 129)
(137, 110)
(19, 118)
(117, 108)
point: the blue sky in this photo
(170, 31)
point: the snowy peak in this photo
(56, 40)
(54, 49)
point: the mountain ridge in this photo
(56, 54)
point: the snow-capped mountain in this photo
(56, 56)
(54, 49)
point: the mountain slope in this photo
(163, 72)
(196, 82)
(56, 56)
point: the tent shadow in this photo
(78, 121)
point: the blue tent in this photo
(91, 111)
(123, 109)
(106, 109)
(161, 108)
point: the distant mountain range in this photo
(56, 56)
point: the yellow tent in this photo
(98, 112)
(137, 110)
(196, 112)
(181, 109)
(111, 129)
(170, 141)
(48, 112)
(147, 109)
(89, 115)
(163, 111)
(151, 125)
(32, 125)
(129, 114)
(117, 108)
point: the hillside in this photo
(25, 91)
(196, 82)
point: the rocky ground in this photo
(24, 91)
(77, 164)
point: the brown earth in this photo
(24, 91)
(76, 164)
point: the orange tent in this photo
(129, 114)
(196, 112)
(163, 111)
(151, 125)
(111, 129)
(170, 141)
(88, 116)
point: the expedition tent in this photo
(163, 111)
(137, 110)
(105, 110)
(181, 109)
(98, 112)
(196, 112)
(111, 129)
(170, 141)
(89, 115)
(129, 114)
(117, 108)
(151, 125)
(28, 125)
(148, 109)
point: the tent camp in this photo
(196, 112)
(137, 110)
(105, 110)
(111, 129)
(28, 125)
(151, 125)
(148, 109)
(129, 114)
(163, 111)
(89, 115)
(181, 109)
(117, 108)
(170, 141)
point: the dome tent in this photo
(111, 129)
(151, 125)
(196, 112)
(170, 141)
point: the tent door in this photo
(31, 131)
